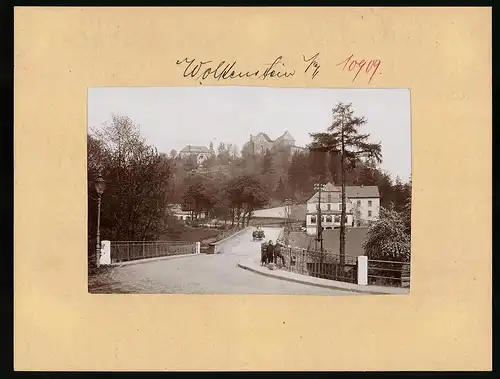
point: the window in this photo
(329, 206)
(322, 218)
(337, 218)
(359, 202)
(340, 206)
(329, 197)
(328, 218)
(313, 220)
(369, 203)
(369, 213)
(346, 220)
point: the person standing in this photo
(270, 252)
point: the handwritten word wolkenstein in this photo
(201, 70)
(356, 66)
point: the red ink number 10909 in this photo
(356, 66)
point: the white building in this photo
(183, 215)
(362, 206)
(201, 153)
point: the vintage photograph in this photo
(249, 190)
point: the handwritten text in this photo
(202, 70)
(356, 66)
(313, 62)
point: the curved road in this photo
(211, 274)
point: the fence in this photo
(122, 251)
(388, 273)
(320, 264)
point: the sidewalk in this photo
(254, 266)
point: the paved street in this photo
(210, 274)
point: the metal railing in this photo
(319, 264)
(388, 273)
(123, 251)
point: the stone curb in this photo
(148, 260)
(331, 284)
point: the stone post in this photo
(362, 270)
(198, 247)
(105, 258)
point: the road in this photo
(210, 274)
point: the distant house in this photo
(362, 207)
(180, 214)
(200, 153)
(261, 143)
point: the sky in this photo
(173, 117)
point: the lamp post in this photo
(100, 184)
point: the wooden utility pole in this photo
(319, 231)
(343, 213)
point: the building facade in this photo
(261, 143)
(362, 207)
(200, 153)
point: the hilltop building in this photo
(261, 143)
(200, 153)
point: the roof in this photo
(361, 191)
(351, 192)
(286, 134)
(195, 149)
(265, 136)
(175, 207)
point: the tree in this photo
(280, 191)
(298, 173)
(137, 178)
(245, 194)
(356, 213)
(194, 199)
(267, 164)
(344, 139)
(223, 154)
(173, 154)
(389, 237)
(254, 195)
(317, 165)
(235, 153)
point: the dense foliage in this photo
(389, 238)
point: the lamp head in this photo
(100, 184)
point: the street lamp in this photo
(100, 185)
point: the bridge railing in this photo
(319, 264)
(123, 251)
